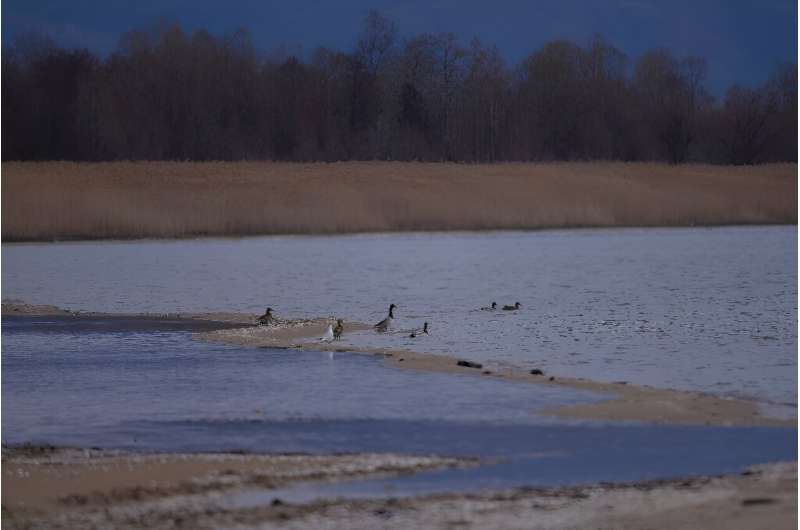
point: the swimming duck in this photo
(511, 307)
(386, 323)
(424, 331)
(266, 319)
(337, 331)
(492, 308)
(328, 335)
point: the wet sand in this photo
(70, 488)
(43, 480)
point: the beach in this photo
(68, 488)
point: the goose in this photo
(424, 331)
(337, 331)
(511, 307)
(491, 308)
(266, 319)
(384, 324)
(328, 335)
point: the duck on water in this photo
(386, 323)
(511, 307)
(424, 331)
(490, 308)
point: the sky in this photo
(743, 40)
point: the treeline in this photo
(168, 95)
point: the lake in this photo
(711, 309)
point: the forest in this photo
(169, 94)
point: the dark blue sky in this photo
(742, 40)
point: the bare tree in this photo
(166, 93)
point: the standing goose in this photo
(386, 323)
(423, 332)
(511, 307)
(328, 335)
(337, 331)
(266, 319)
(492, 308)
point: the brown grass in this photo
(64, 200)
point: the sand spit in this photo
(99, 489)
(627, 402)
(45, 201)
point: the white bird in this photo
(328, 336)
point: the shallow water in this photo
(547, 456)
(91, 383)
(97, 383)
(699, 309)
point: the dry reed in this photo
(65, 200)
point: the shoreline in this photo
(46, 477)
(627, 402)
(417, 231)
(79, 488)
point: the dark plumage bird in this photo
(490, 308)
(511, 307)
(337, 331)
(386, 323)
(424, 331)
(266, 319)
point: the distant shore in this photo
(48, 201)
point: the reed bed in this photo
(44, 201)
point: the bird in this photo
(424, 331)
(266, 319)
(511, 307)
(492, 308)
(386, 323)
(337, 331)
(328, 335)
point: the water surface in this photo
(96, 383)
(712, 309)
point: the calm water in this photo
(94, 383)
(149, 386)
(708, 309)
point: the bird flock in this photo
(333, 333)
